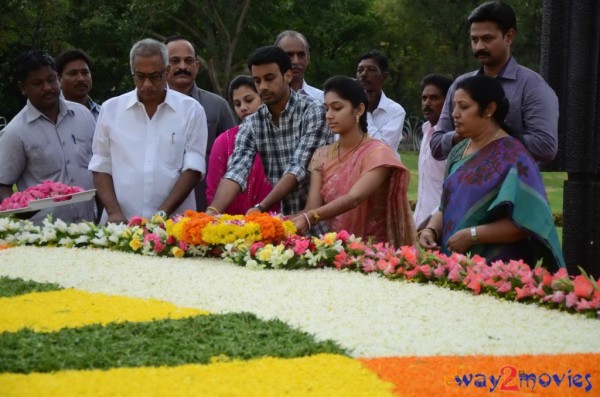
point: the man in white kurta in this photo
(150, 143)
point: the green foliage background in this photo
(419, 37)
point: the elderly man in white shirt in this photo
(296, 46)
(434, 88)
(150, 143)
(385, 118)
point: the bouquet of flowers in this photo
(198, 228)
(44, 190)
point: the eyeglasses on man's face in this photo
(153, 77)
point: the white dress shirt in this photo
(147, 156)
(386, 122)
(311, 92)
(431, 178)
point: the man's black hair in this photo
(381, 59)
(495, 11)
(31, 60)
(270, 54)
(71, 55)
(441, 82)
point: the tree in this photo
(26, 24)
(432, 36)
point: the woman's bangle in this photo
(435, 233)
(307, 219)
(315, 216)
(213, 209)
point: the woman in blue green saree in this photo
(493, 202)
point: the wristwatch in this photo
(259, 207)
(162, 214)
(473, 234)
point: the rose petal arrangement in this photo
(44, 190)
(264, 241)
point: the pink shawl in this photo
(258, 185)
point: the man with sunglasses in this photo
(184, 67)
(150, 143)
(49, 139)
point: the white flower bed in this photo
(371, 316)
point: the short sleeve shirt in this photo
(34, 149)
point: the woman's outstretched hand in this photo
(301, 223)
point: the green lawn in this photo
(552, 180)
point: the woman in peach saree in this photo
(357, 184)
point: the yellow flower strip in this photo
(546, 375)
(319, 375)
(69, 308)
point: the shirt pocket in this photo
(83, 150)
(173, 148)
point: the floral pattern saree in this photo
(385, 216)
(500, 181)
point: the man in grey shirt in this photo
(49, 139)
(533, 112)
(182, 78)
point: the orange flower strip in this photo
(271, 228)
(192, 230)
(526, 375)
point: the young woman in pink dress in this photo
(357, 183)
(245, 99)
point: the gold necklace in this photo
(351, 150)
(469, 143)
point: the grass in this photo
(200, 339)
(552, 180)
(12, 287)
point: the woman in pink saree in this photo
(242, 92)
(357, 184)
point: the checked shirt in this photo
(284, 149)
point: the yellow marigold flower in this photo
(135, 244)
(289, 228)
(329, 238)
(175, 229)
(177, 252)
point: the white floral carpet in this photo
(369, 315)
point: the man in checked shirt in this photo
(285, 131)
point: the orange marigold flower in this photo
(192, 230)
(271, 228)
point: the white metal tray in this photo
(36, 205)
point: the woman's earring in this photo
(357, 119)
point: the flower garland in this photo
(264, 241)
